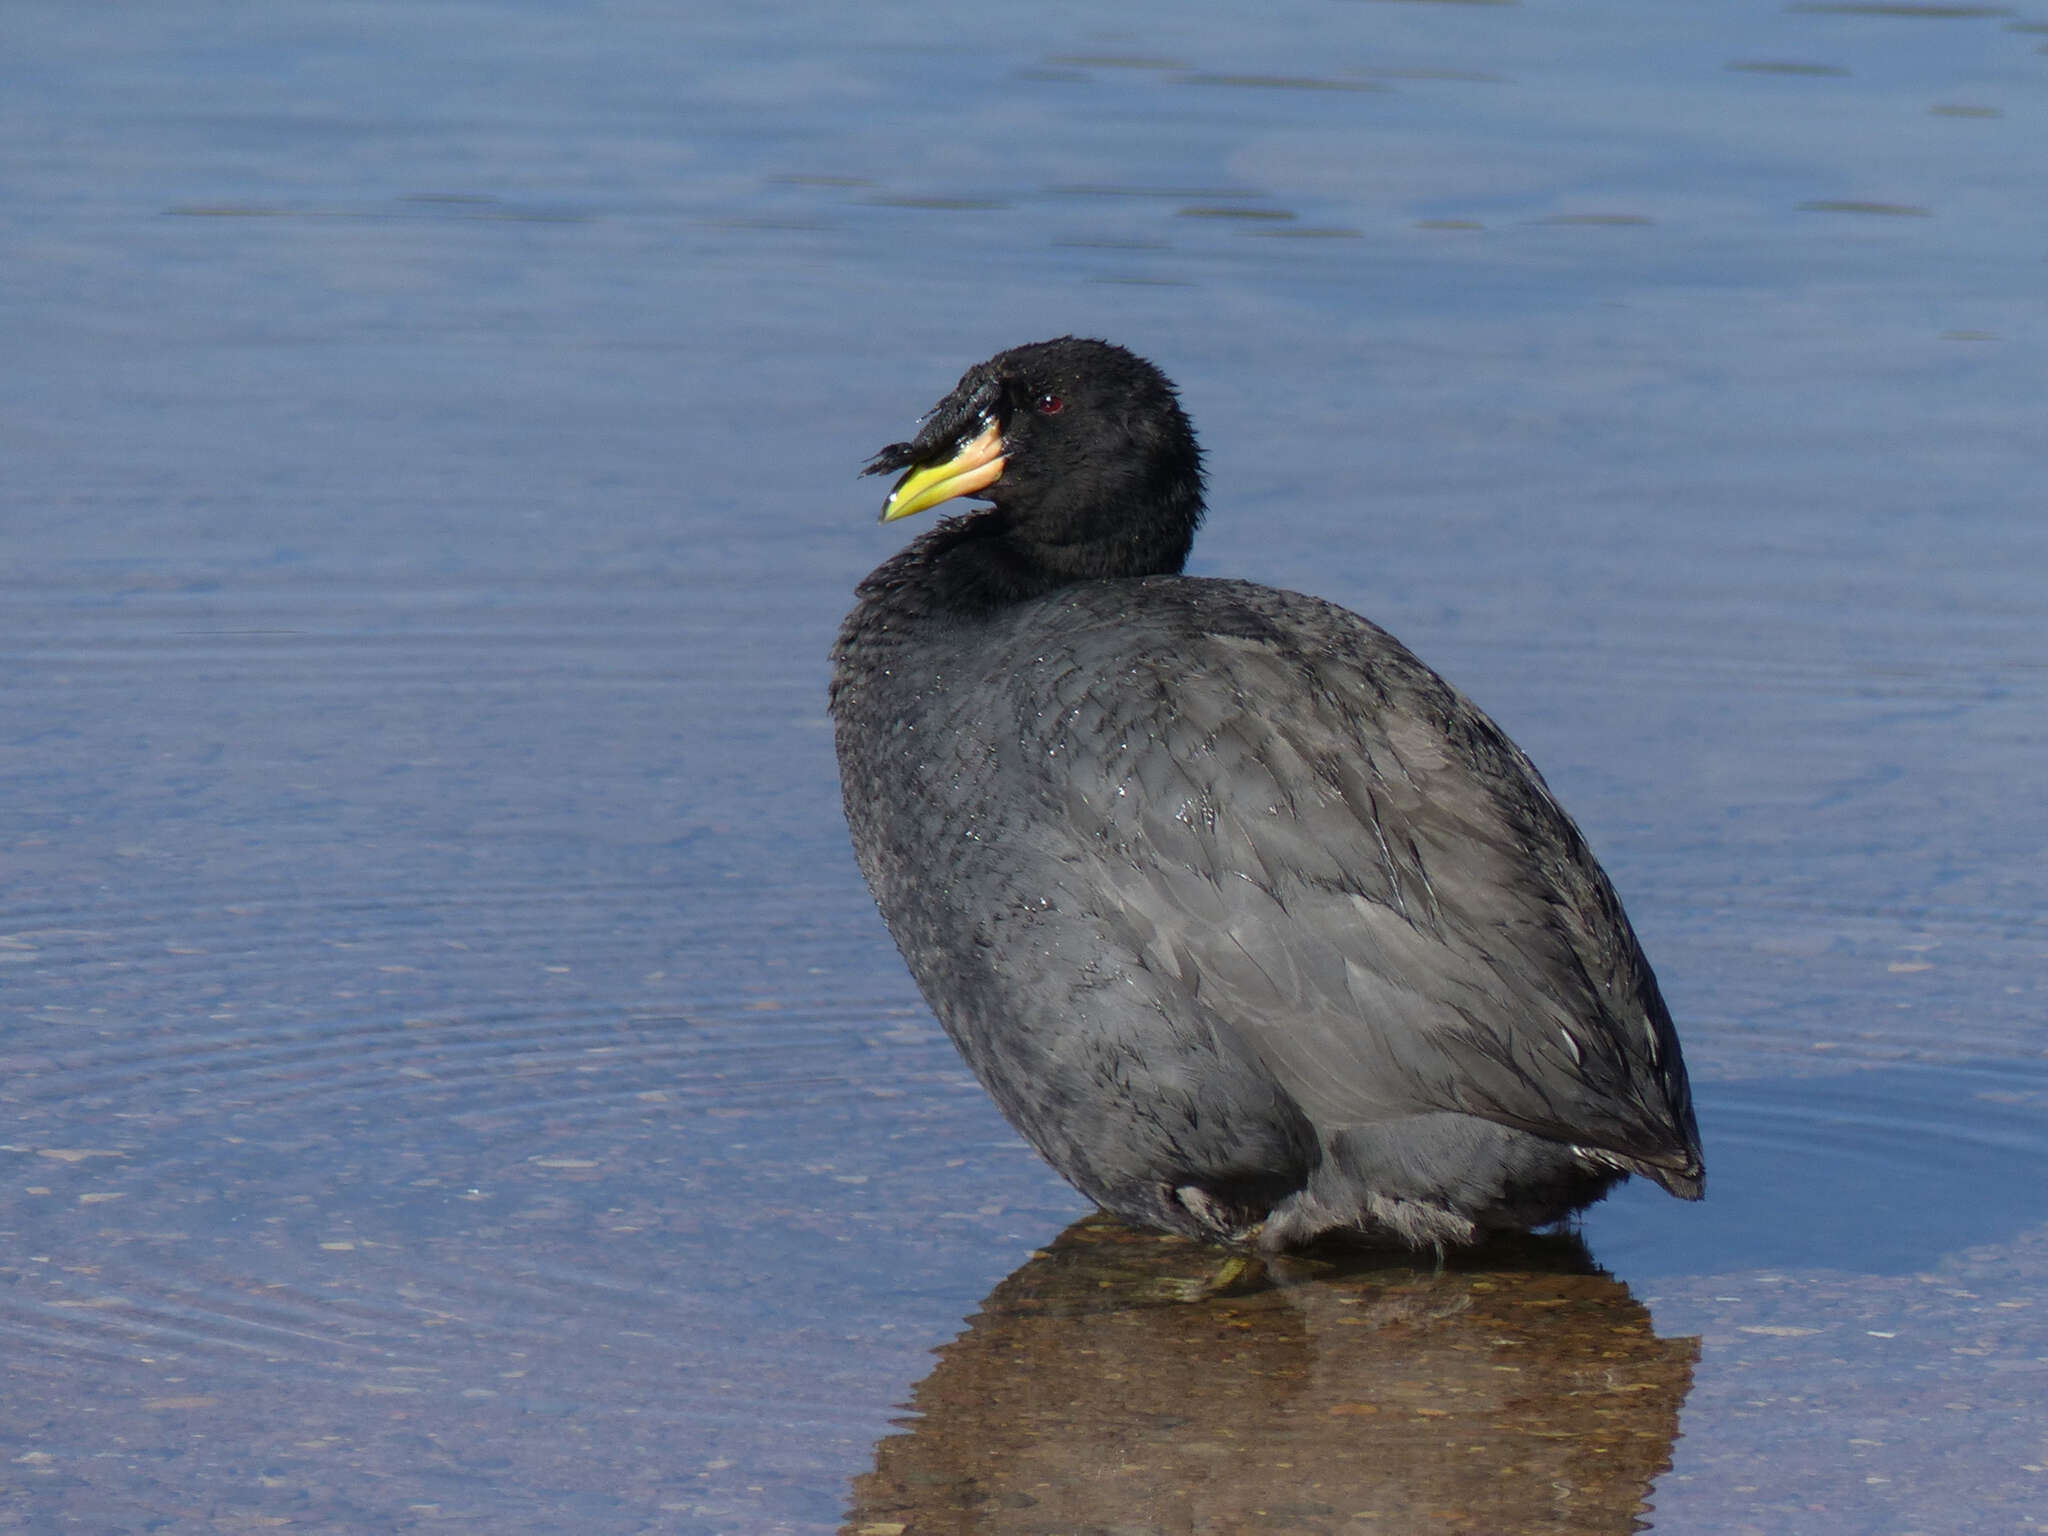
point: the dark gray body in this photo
(1252, 925)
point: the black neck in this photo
(977, 564)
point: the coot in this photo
(1255, 927)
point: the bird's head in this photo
(1080, 444)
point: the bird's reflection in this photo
(1131, 1382)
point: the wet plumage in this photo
(1253, 926)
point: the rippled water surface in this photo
(453, 1076)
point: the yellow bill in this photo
(975, 467)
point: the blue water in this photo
(454, 1077)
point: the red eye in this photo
(1050, 405)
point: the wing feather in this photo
(1339, 856)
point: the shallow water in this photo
(454, 1078)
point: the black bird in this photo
(1254, 926)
